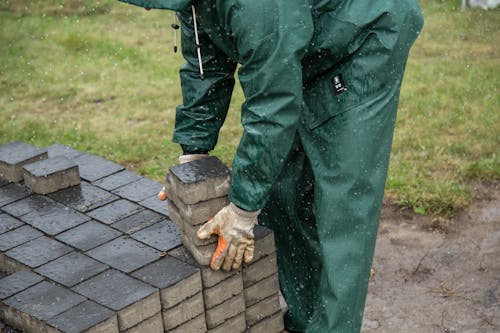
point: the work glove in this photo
(235, 229)
(191, 157)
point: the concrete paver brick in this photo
(19, 281)
(88, 317)
(261, 290)
(125, 254)
(37, 252)
(71, 269)
(174, 216)
(138, 221)
(155, 204)
(133, 300)
(51, 175)
(29, 309)
(163, 236)
(176, 280)
(88, 235)
(195, 325)
(139, 190)
(93, 167)
(264, 242)
(27, 205)
(220, 313)
(182, 312)
(225, 290)
(233, 325)
(116, 180)
(273, 324)
(200, 180)
(263, 309)
(12, 192)
(62, 150)
(259, 270)
(16, 154)
(150, 325)
(191, 234)
(115, 211)
(202, 254)
(8, 223)
(17, 237)
(3, 182)
(84, 197)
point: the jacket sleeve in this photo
(205, 102)
(272, 37)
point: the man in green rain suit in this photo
(321, 80)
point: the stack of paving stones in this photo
(239, 301)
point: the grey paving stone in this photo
(3, 182)
(8, 223)
(51, 175)
(261, 290)
(62, 150)
(191, 234)
(225, 290)
(264, 242)
(155, 204)
(259, 270)
(17, 237)
(272, 324)
(263, 309)
(176, 280)
(116, 180)
(150, 325)
(84, 197)
(202, 254)
(125, 254)
(93, 167)
(88, 317)
(199, 180)
(88, 235)
(37, 304)
(14, 283)
(32, 203)
(163, 236)
(115, 211)
(229, 309)
(71, 269)
(134, 301)
(16, 154)
(12, 192)
(37, 252)
(174, 216)
(138, 221)
(195, 325)
(183, 312)
(139, 190)
(233, 325)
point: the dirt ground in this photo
(444, 279)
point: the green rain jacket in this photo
(288, 51)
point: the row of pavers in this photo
(104, 257)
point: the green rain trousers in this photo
(321, 80)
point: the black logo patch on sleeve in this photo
(338, 84)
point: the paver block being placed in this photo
(272, 324)
(16, 154)
(30, 309)
(17, 237)
(88, 317)
(233, 325)
(262, 309)
(62, 150)
(84, 197)
(174, 216)
(93, 167)
(199, 180)
(191, 235)
(259, 270)
(176, 280)
(195, 325)
(138, 221)
(261, 290)
(162, 236)
(115, 211)
(125, 254)
(37, 252)
(226, 289)
(183, 312)
(155, 204)
(202, 254)
(8, 223)
(19, 281)
(229, 309)
(71, 269)
(116, 180)
(264, 242)
(133, 300)
(51, 175)
(88, 235)
(150, 325)
(12, 192)
(139, 190)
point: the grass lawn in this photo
(101, 76)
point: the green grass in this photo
(101, 76)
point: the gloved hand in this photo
(235, 229)
(191, 157)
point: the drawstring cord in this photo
(175, 26)
(198, 46)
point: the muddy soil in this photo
(432, 280)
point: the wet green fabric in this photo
(161, 4)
